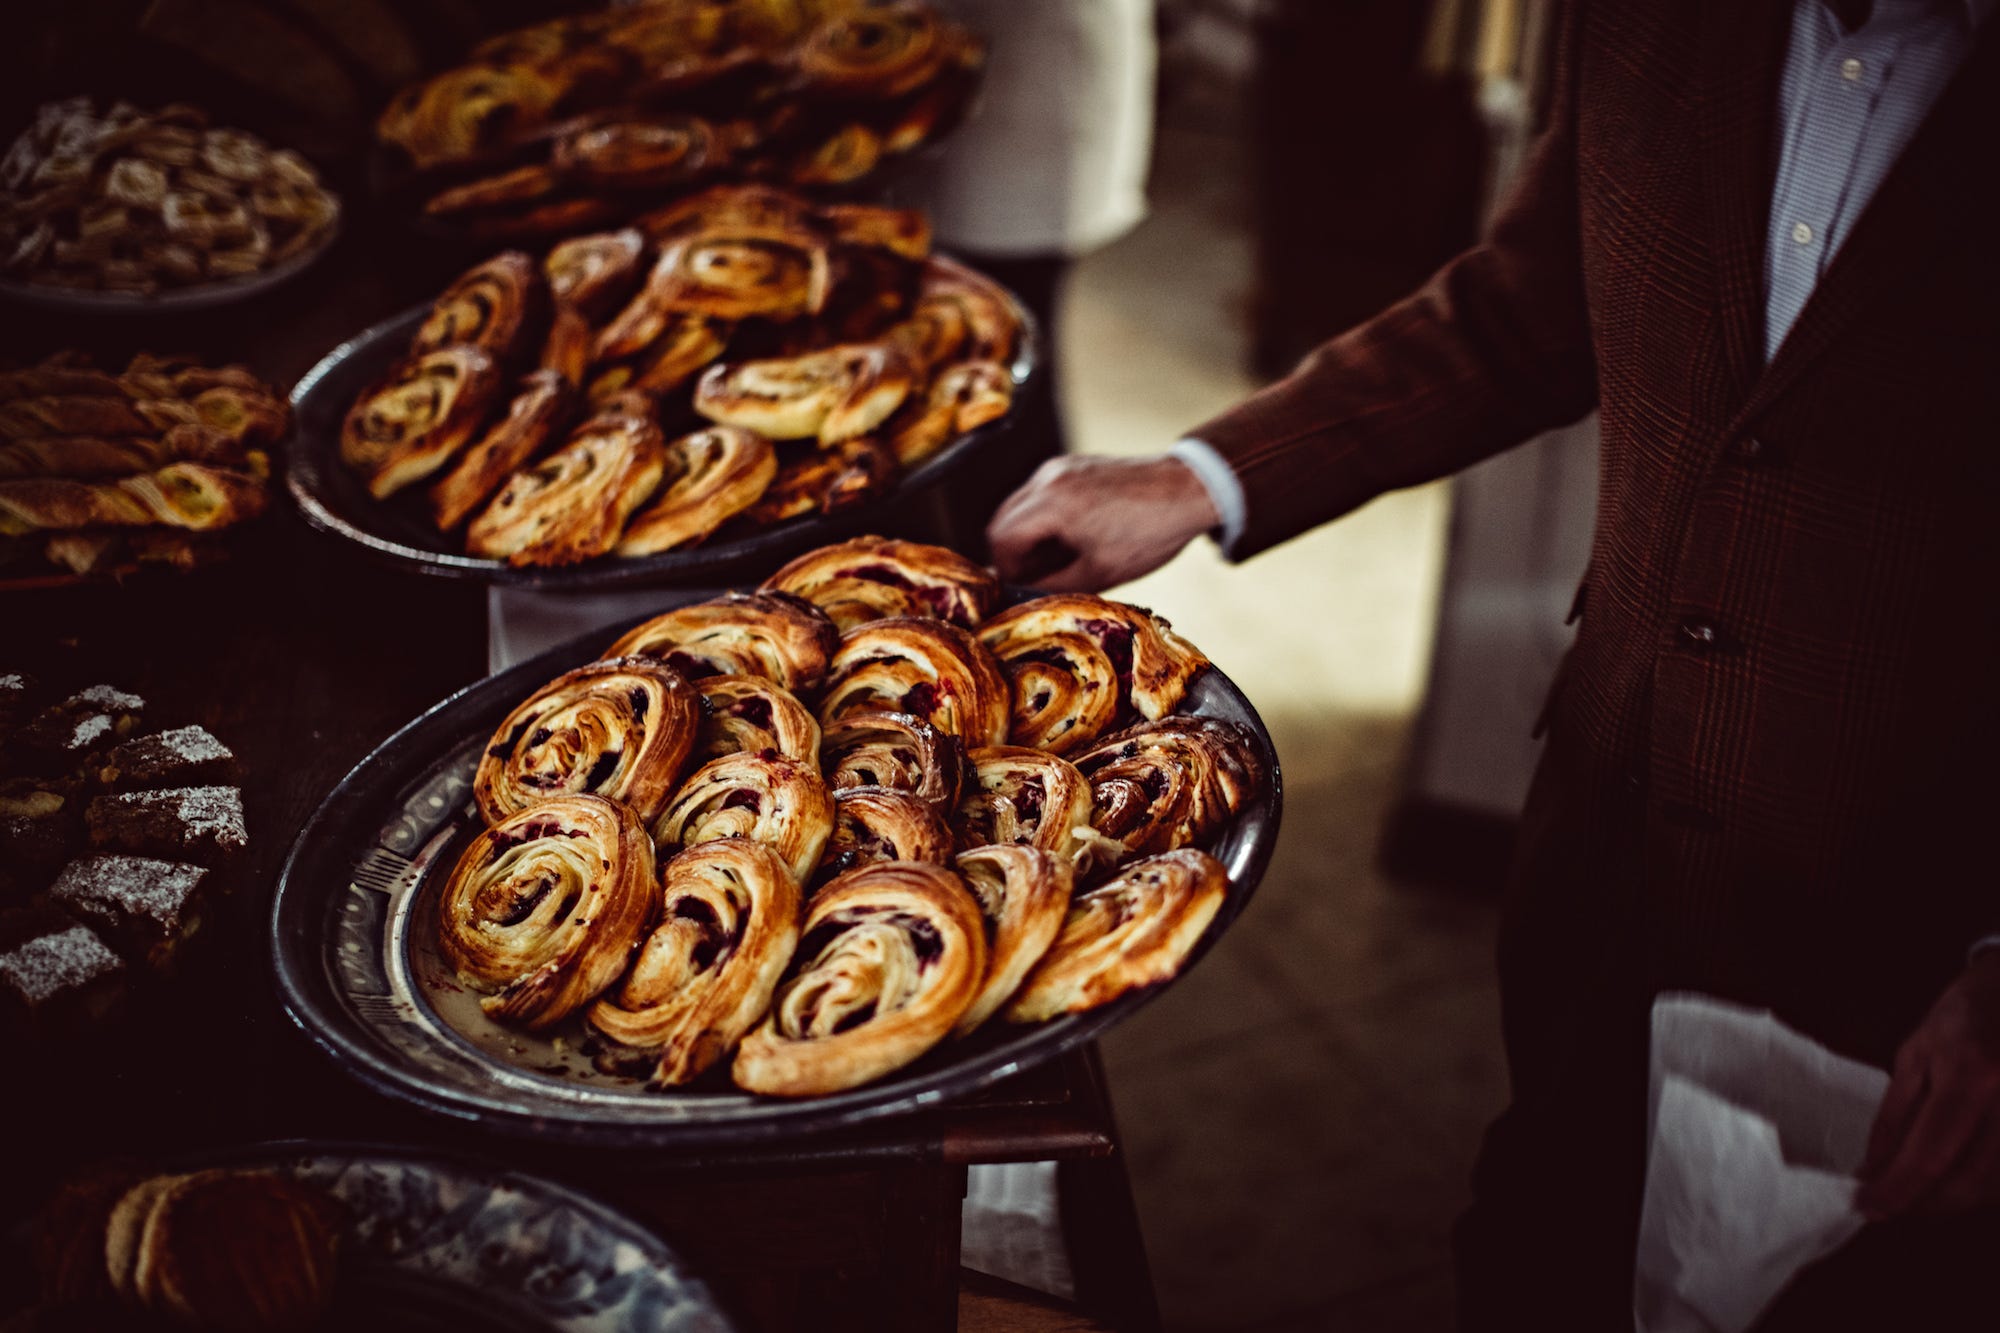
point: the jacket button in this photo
(1752, 447)
(1698, 634)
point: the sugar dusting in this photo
(194, 745)
(204, 812)
(105, 698)
(47, 965)
(128, 885)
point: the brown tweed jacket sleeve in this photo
(1493, 350)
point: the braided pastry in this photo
(414, 421)
(825, 481)
(770, 799)
(1152, 663)
(88, 456)
(621, 729)
(543, 910)
(752, 715)
(247, 415)
(896, 751)
(1168, 784)
(1024, 894)
(1024, 798)
(831, 395)
(80, 414)
(889, 958)
(572, 505)
(1135, 930)
(593, 272)
(494, 306)
(772, 635)
(712, 475)
(929, 669)
(180, 495)
(729, 920)
(877, 578)
(873, 824)
(541, 407)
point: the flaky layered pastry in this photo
(889, 958)
(726, 276)
(1135, 930)
(621, 729)
(825, 481)
(896, 751)
(661, 151)
(873, 824)
(874, 53)
(839, 393)
(728, 921)
(779, 802)
(929, 669)
(1024, 894)
(752, 715)
(1171, 783)
(567, 348)
(194, 496)
(572, 505)
(593, 273)
(754, 634)
(712, 475)
(879, 578)
(903, 232)
(543, 909)
(959, 316)
(1021, 797)
(417, 419)
(541, 408)
(1065, 689)
(1152, 663)
(961, 398)
(495, 306)
(681, 346)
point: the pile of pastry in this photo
(125, 200)
(570, 123)
(103, 471)
(238, 1249)
(113, 843)
(738, 359)
(812, 832)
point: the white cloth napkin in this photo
(1756, 1133)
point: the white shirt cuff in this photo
(1225, 492)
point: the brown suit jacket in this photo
(1771, 767)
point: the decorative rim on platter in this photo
(449, 1233)
(200, 296)
(348, 967)
(335, 502)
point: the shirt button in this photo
(1802, 233)
(1698, 634)
(1850, 69)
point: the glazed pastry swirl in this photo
(825, 481)
(711, 475)
(1024, 894)
(572, 505)
(1022, 797)
(876, 53)
(835, 394)
(729, 919)
(772, 635)
(540, 409)
(592, 272)
(414, 421)
(962, 398)
(620, 729)
(877, 578)
(779, 802)
(1136, 930)
(1153, 664)
(1064, 686)
(752, 715)
(543, 910)
(888, 960)
(926, 668)
(896, 751)
(1170, 783)
(646, 154)
(877, 824)
(684, 344)
(494, 307)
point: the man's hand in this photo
(1935, 1147)
(1086, 524)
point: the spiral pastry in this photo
(896, 751)
(683, 346)
(494, 306)
(572, 505)
(712, 475)
(1019, 797)
(730, 210)
(724, 277)
(1135, 930)
(1024, 894)
(543, 910)
(413, 422)
(873, 54)
(592, 273)
(873, 824)
(752, 715)
(961, 399)
(466, 111)
(1065, 690)
(1152, 663)
(772, 635)
(959, 316)
(931, 670)
(888, 960)
(903, 232)
(540, 409)
(878, 578)
(825, 481)
(567, 349)
(843, 157)
(770, 799)
(728, 922)
(642, 154)
(620, 729)
(837, 394)
(1166, 784)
